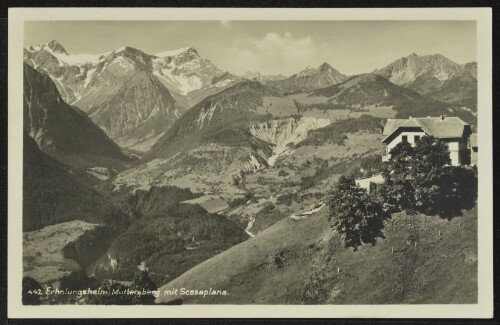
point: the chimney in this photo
(442, 118)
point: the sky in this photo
(270, 47)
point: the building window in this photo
(417, 138)
(405, 138)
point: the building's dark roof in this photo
(447, 127)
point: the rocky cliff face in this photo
(405, 70)
(284, 133)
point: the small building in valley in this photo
(452, 130)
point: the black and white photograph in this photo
(251, 162)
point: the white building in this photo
(452, 130)
(370, 183)
(473, 149)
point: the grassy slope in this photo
(43, 250)
(247, 270)
(295, 262)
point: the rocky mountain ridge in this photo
(435, 76)
(309, 79)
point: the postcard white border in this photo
(484, 308)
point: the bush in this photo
(283, 173)
(354, 214)
(242, 200)
(288, 199)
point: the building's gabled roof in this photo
(391, 125)
(439, 127)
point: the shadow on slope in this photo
(54, 193)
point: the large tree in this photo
(354, 214)
(398, 189)
(420, 179)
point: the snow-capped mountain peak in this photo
(325, 65)
(176, 52)
(57, 51)
(56, 47)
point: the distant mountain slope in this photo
(54, 193)
(459, 90)
(61, 130)
(435, 76)
(373, 90)
(257, 76)
(471, 68)
(309, 79)
(221, 118)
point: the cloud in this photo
(275, 53)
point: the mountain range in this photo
(134, 97)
